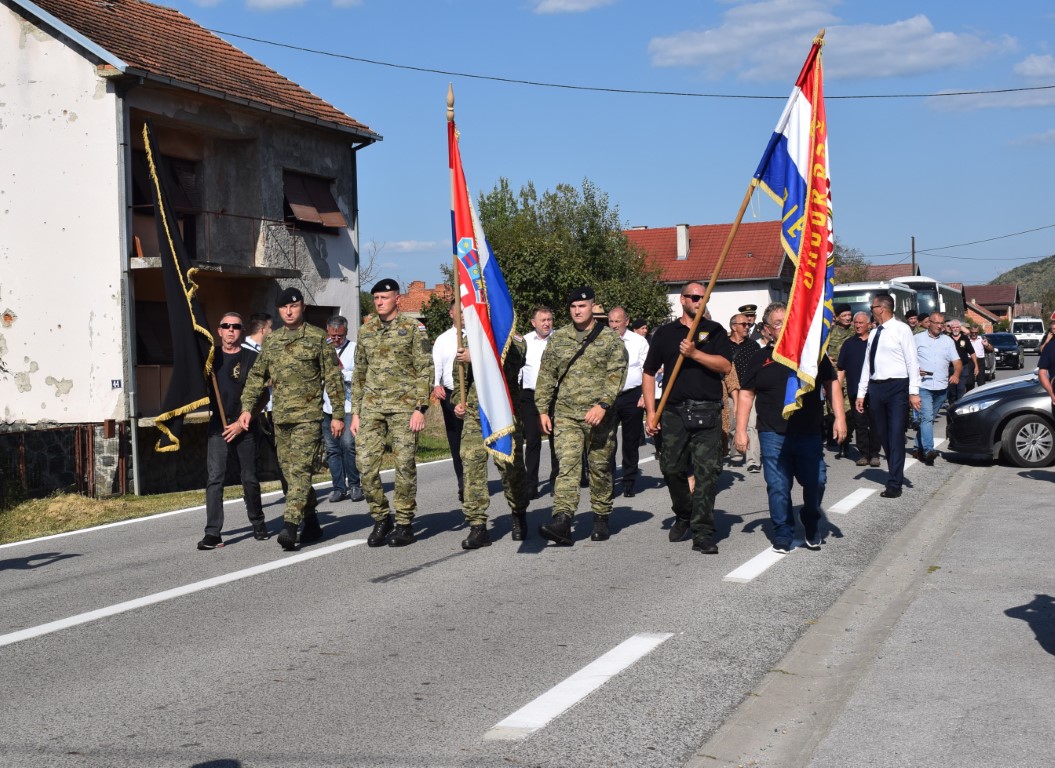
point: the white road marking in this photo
(574, 689)
(844, 505)
(754, 567)
(170, 594)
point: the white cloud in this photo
(272, 5)
(347, 3)
(412, 246)
(568, 6)
(206, 3)
(1010, 100)
(764, 40)
(1035, 139)
(1036, 66)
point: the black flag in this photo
(192, 342)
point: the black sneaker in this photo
(478, 537)
(519, 526)
(678, 529)
(628, 490)
(600, 528)
(355, 493)
(260, 532)
(381, 530)
(782, 546)
(287, 537)
(812, 543)
(210, 542)
(558, 531)
(705, 546)
(336, 496)
(402, 536)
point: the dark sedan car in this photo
(1009, 352)
(1011, 418)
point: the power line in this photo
(601, 89)
(962, 245)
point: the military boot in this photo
(600, 528)
(381, 530)
(478, 537)
(403, 535)
(519, 526)
(558, 531)
(312, 529)
(287, 538)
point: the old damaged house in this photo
(262, 174)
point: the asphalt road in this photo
(343, 655)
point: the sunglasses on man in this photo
(229, 326)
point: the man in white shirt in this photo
(443, 352)
(936, 353)
(542, 322)
(629, 405)
(890, 377)
(340, 451)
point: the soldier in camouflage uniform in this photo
(574, 399)
(474, 453)
(390, 395)
(297, 360)
(842, 329)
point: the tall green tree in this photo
(850, 264)
(549, 245)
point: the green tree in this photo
(850, 264)
(436, 315)
(569, 237)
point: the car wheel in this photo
(1028, 441)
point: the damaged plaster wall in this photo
(60, 257)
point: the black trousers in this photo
(630, 417)
(533, 443)
(864, 431)
(889, 401)
(453, 426)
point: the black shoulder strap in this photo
(590, 338)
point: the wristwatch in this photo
(421, 409)
(603, 405)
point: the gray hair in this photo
(773, 307)
(337, 321)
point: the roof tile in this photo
(755, 253)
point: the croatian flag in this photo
(794, 172)
(487, 311)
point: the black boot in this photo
(478, 537)
(519, 526)
(600, 528)
(381, 530)
(403, 535)
(287, 538)
(312, 530)
(558, 531)
(260, 532)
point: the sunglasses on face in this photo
(229, 326)
(692, 296)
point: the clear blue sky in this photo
(948, 170)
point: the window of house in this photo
(180, 179)
(309, 204)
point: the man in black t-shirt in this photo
(231, 364)
(691, 422)
(849, 366)
(791, 448)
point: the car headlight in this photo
(976, 406)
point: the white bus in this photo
(859, 296)
(932, 296)
(1029, 331)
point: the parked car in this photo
(1010, 419)
(1009, 352)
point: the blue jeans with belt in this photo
(785, 459)
(930, 401)
(340, 455)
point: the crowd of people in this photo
(704, 394)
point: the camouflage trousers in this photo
(570, 438)
(474, 472)
(374, 429)
(299, 447)
(698, 453)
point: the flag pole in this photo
(457, 282)
(668, 383)
(219, 402)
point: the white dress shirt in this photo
(535, 347)
(895, 358)
(346, 356)
(636, 350)
(443, 352)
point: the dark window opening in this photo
(180, 179)
(309, 204)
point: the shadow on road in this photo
(34, 561)
(1040, 615)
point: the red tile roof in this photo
(756, 253)
(876, 272)
(166, 46)
(991, 295)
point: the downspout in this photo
(356, 313)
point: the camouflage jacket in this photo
(597, 376)
(515, 357)
(393, 366)
(297, 363)
(836, 339)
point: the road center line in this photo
(844, 505)
(171, 594)
(574, 689)
(754, 567)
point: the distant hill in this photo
(1036, 280)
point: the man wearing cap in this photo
(390, 395)
(754, 332)
(842, 331)
(640, 327)
(297, 360)
(912, 320)
(582, 371)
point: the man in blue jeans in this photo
(936, 352)
(340, 452)
(791, 449)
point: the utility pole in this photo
(913, 255)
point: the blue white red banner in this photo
(794, 171)
(487, 310)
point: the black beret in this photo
(637, 324)
(840, 308)
(911, 313)
(585, 293)
(748, 309)
(388, 284)
(289, 296)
